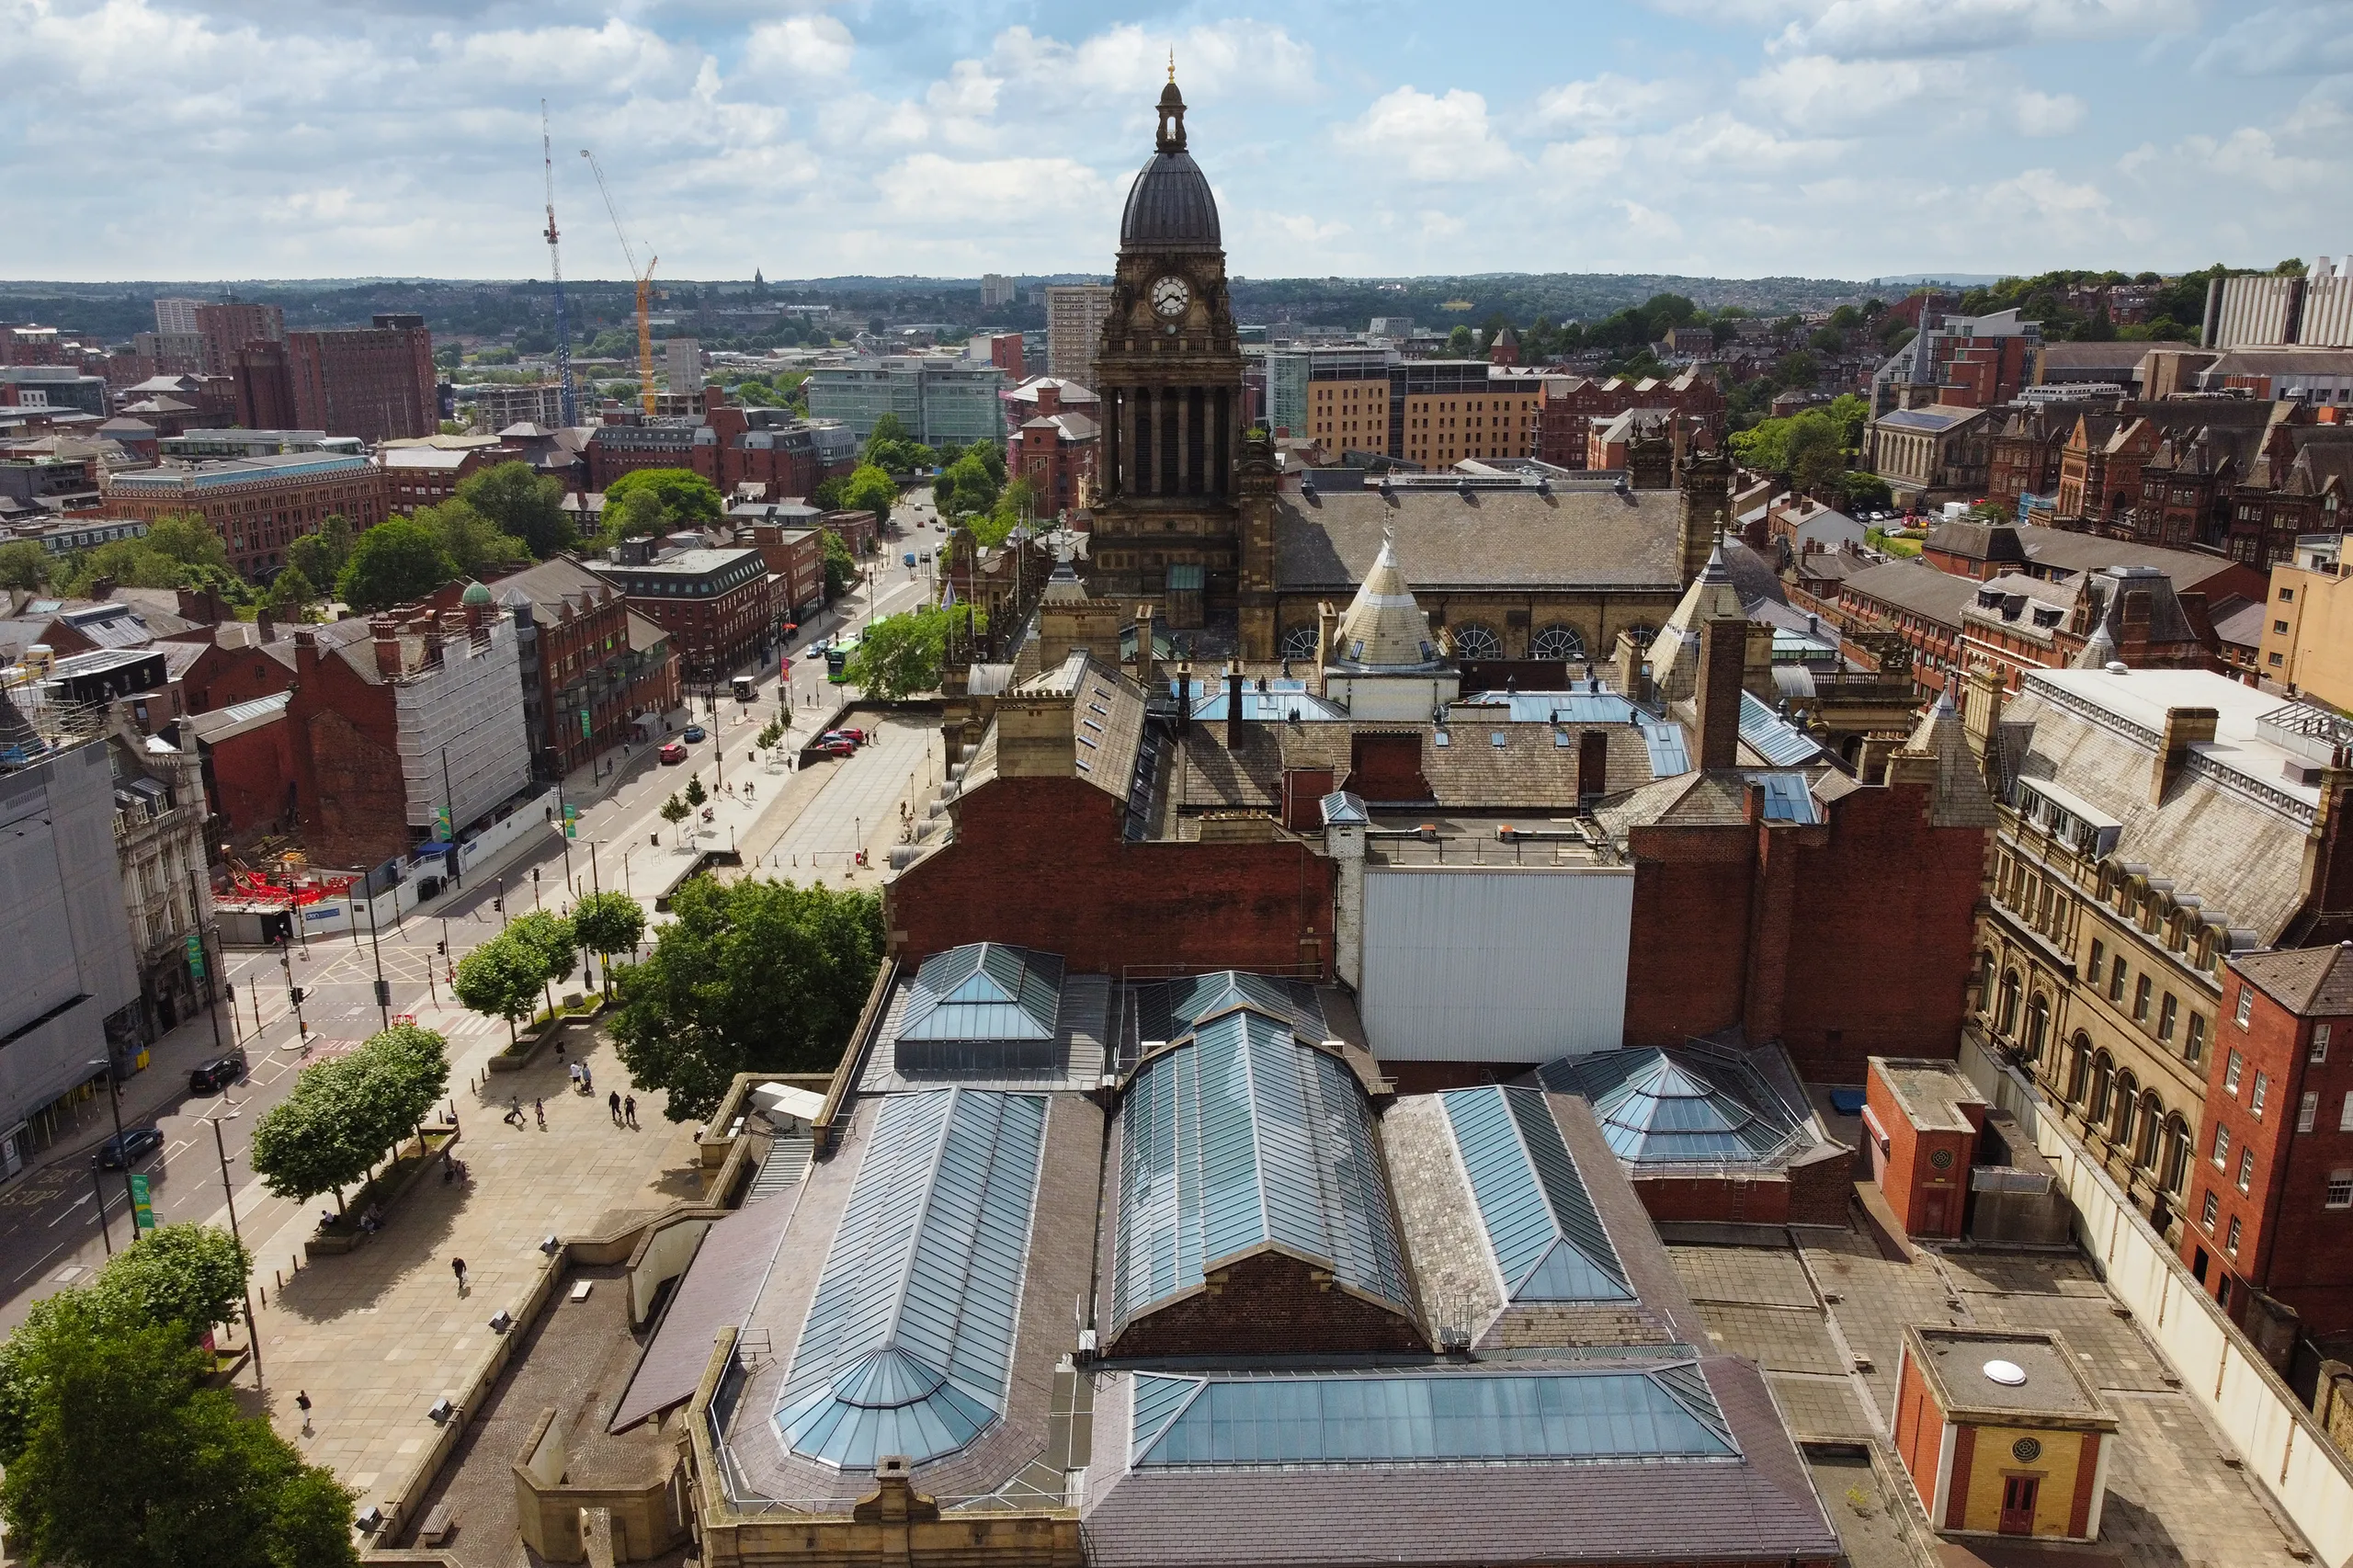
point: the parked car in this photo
(674, 751)
(855, 737)
(207, 1077)
(862, 736)
(837, 745)
(128, 1147)
(694, 733)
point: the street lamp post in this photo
(114, 1097)
(229, 1196)
(384, 991)
(212, 969)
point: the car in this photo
(848, 733)
(128, 1147)
(695, 733)
(218, 1073)
(674, 751)
(837, 745)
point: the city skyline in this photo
(1824, 138)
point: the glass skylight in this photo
(1546, 1235)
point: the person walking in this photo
(587, 1080)
(629, 1110)
(303, 1403)
(540, 1109)
(458, 1268)
(613, 1104)
(514, 1111)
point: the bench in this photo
(437, 1526)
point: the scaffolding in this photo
(463, 739)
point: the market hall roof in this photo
(1558, 539)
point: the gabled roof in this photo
(984, 991)
(1542, 1229)
(2307, 982)
(1384, 629)
(1680, 1105)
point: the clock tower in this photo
(1168, 370)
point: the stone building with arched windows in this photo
(2153, 823)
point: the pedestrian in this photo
(303, 1403)
(540, 1109)
(613, 1104)
(588, 1081)
(513, 1116)
(458, 1268)
(629, 1110)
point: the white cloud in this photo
(1895, 29)
(1426, 137)
(928, 187)
(814, 45)
(2048, 114)
(1607, 102)
(1816, 92)
(2285, 40)
(2250, 156)
(1126, 64)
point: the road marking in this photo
(43, 1260)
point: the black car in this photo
(216, 1074)
(128, 1147)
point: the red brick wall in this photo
(1268, 1304)
(1822, 1192)
(1040, 862)
(1688, 951)
(1965, 1455)
(222, 678)
(249, 775)
(1913, 1183)
(352, 803)
(1880, 960)
(1919, 1431)
(1762, 1201)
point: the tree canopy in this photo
(321, 555)
(871, 490)
(900, 655)
(972, 480)
(1813, 448)
(393, 562)
(501, 978)
(346, 1111)
(472, 542)
(521, 504)
(24, 564)
(687, 498)
(609, 923)
(749, 976)
(841, 567)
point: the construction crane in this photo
(555, 265)
(644, 281)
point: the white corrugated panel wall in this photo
(1494, 964)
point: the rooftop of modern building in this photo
(240, 471)
(698, 562)
(1933, 1093)
(1929, 419)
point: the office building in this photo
(373, 382)
(1075, 313)
(257, 505)
(681, 368)
(714, 604)
(943, 402)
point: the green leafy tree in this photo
(553, 943)
(890, 430)
(320, 1138)
(1462, 343)
(841, 567)
(501, 979)
(394, 562)
(969, 484)
(187, 539)
(191, 1275)
(24, 565)
(687, 498)
(636, 516)
(472, 542)
(128, 1462)
(750, 976)
(290, 596)
(900, 655)
(829, 493)
(609, 922)
(321, 555)
(522, 505)
(674, 811)
(696, 793)
(1015, 506)
(406, 1071)
(869, 490)
(1796, 369)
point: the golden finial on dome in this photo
(1172, 65)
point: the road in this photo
(49, 1216)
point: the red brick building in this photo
(727, 445)
(1054, 448)
(265, 379)
(715, 605)
(418, 476)
(257, 505)
(225, 327)
(2272, 1189)
(1570, 404)
(1922, 1118)
(373, 382)
(796, 558)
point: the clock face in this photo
(1169, 296)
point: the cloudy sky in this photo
(238, 139)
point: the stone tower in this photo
(1703, 505)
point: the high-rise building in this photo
(373, 382)
(222, 329)
(947, 403)
(1075, 313)
(997, 290)
(176, 318)
(682, 365)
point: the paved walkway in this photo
(832, 808)
(377, 1336)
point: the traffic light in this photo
(297, 994)
(496, 904)
(441, 949)
(383, 994)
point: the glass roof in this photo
(1669, 755)
(1176, 1007)
(1238, 1137)
(1772, 737)
(1437, 1418)
(909, 1340)
(1672, 1106)
(984, 991)
(1540, 1222)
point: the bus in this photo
(837, 654)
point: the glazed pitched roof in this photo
(1384, 627)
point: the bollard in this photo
(281, 1277)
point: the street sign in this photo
(572, 822)
(194, 956)
(584, 724)
(142, 1211)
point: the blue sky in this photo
(231, 139)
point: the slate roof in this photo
(2064, 550)
(1915, 587)
(1571, 538)
(2308, 982)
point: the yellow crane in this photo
(644, 281)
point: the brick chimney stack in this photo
(1723, 654)
(1147, 657)
(2185, 727)
(1049, 400)
(2133, 647)
(387, 638)
(1233, 689)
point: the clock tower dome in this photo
(1168, 370)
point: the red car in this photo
(857, 737)
(675, 751)
(837, 745)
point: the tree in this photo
(635, 516)
(841, 567)
(686, 497)
(888, 430)
(522, 505)
(319, 1139)
(553, 943)
(871, 490)
(696, 794)
(901, 654)
(407, 1070)
(750, 976)
(609, 922)
(187, 539)
(190, 1274)
(128, 1462)
(24, 565)
(501, 979)
(1461, 344)
(674, 811)
(968, 484)
(1017, 505)
(472, 542)
(289, 596)
(392, 563)
(321, 555)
